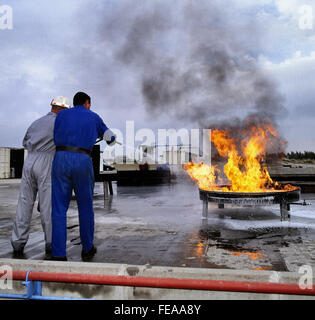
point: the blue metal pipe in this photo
(33, 292)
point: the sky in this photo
(123, 52)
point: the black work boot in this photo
(18, 254)
(48, 249)
(52, 258)
(48, 252)
(87, 255)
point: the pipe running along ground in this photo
(167, 283)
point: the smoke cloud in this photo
(194, 64)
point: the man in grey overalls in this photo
(36, 178)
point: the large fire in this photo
(244, 168)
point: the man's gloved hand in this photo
(110, 137)
(112, 140)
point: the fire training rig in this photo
(284, 198)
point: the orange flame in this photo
(252, 255)
(243, 169)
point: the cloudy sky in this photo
(149, 61)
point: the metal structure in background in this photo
(284, 198)
(106, 177)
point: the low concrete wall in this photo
(134, 293)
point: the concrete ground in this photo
(162, 226)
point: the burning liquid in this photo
(244, 168)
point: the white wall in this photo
(4, 163)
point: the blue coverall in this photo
(75, 127)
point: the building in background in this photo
(11, 162)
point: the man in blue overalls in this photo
(75, 133)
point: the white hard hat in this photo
(61, 102)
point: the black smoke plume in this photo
(196, 63)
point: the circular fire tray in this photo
(284, 198)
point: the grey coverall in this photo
(36, 178)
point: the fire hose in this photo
(121, 144)
(99, 140)
(167, 283)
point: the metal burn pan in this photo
(284, 198)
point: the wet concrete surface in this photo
(162, 225)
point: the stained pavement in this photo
(162, 225)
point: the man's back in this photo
(39, 136)
(78, 127)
